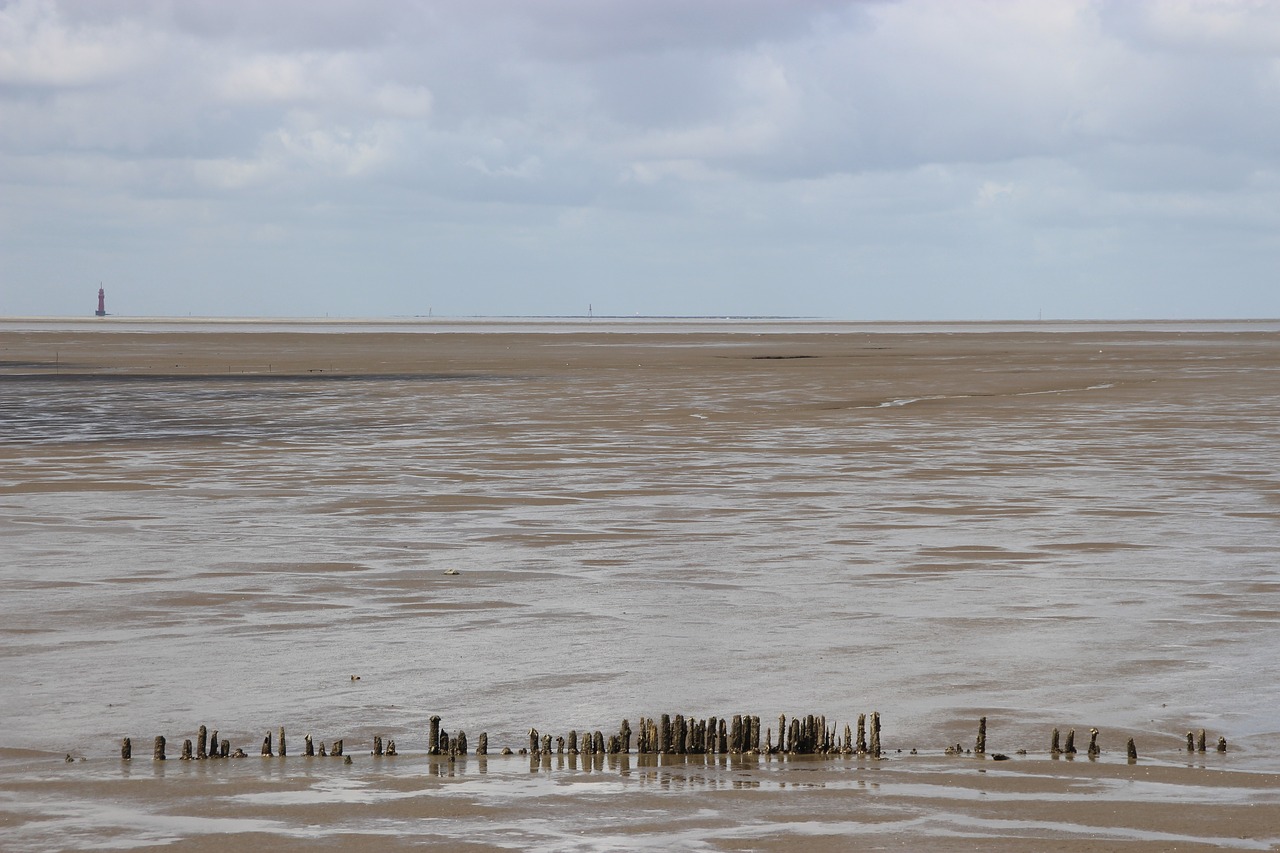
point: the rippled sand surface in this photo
(1067, 528)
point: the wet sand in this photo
(1068, 528)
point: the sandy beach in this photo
(560, 526)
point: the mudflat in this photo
(345, 530)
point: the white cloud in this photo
(902, 138)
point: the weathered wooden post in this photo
(266, 744)
(573, 741)
(1191, 742)
(322, 751)
(862, 734)
(482, 745)
(157, 753)
(1054, 749)
(433, 739)
(847, 748)
(1094, 751)
(202, 737)
(1070, 748)
(337, 748)
(126, 749)
(215, 745)
(1200, 741)
(875, 734)
(377, 744)
(308, 749)
(282, 749)
(1222, 744)
(1132, 750)
(224, 748)
(625, 734)
(546, 744)
(664, 735)
(391, 747)
(597, 743)
(186, 750)
(980, 745)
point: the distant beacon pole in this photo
(102, 303)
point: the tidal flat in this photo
(563, 525)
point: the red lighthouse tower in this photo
(102, 303)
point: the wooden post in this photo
(711, 735)
(1094, 752)
(625, 734)
(753, 742)
(391, 747)
(1200, 741)
(282, 750)
(1222, 744)
(224, 749)
(664, 735)
(186, 750)
(433, 739)
(482, 745)
(1191, 742)
(215, 745)
(1054, 749)
(875, 734)
(679, 734)
(126, 749)
(980, 745)
(266, 744)
(157, 754)
(337, 747)
(377, 744)
(735, 734)
(597, 744)
(573, 741)
(546, 744)
(202, 738)
(862, 734)
(322, 750)
(1132, 750)
(848, 740)
(309, 748)
(1071, 743)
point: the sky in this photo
(869, 160)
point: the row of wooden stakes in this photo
(208, 745)
(666, 735)
(1195, 743)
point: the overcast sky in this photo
(912, 160)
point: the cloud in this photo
(725, 138)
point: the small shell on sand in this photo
(452, 572)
